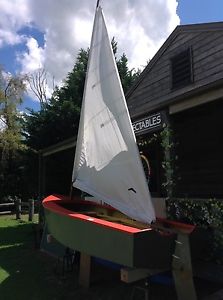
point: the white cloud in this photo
(139, 26)
(142, 26)
(8, 37)
(13, 16)
(33, 59)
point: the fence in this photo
(18, 207)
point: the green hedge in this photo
(207, 213)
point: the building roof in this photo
(215, 26)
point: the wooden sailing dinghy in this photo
(108, 166)
(104, 232)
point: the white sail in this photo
(107, 162)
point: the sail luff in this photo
(81, 121)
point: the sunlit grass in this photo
(10, 246)
(3, 275)
(13, 236)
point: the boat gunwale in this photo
(51, 203)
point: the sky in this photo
(49, 33)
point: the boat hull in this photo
(118, 243)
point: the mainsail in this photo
(107, 162)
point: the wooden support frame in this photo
(182, 268)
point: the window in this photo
(181, 64)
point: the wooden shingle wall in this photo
(154, 88)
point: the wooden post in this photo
(31, 209)
(41, 187)
(182, 268)
(18, 208)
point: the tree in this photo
(73, 87)
(127, 76)
(11, 90)
(38, 84)
(60, 118)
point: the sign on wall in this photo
(150, 123)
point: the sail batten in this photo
(107, 163)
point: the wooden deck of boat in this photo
(121, 219)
